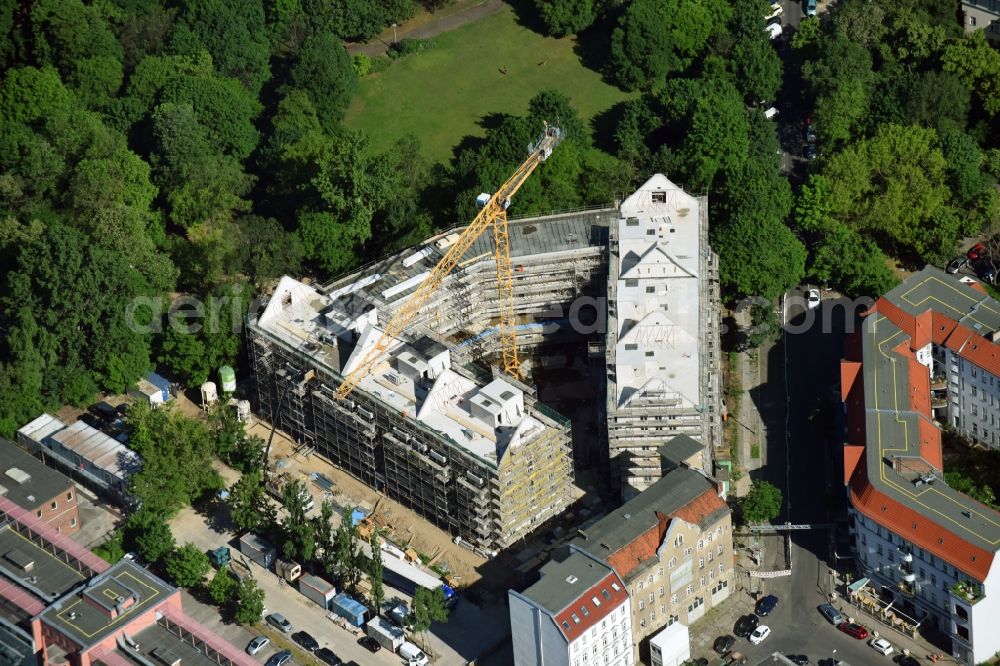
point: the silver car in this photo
(279, 621)
(831, 614)
(257, 644)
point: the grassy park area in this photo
(441, 95)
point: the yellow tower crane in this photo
(493, 213)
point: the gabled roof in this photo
(678, 449)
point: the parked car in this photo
(306, 640)
(279, 658)
(759, 634)
(986, 271)
(906, 660)
(768, 603)
(957, 264)
(811, 152)
(257, 644)
(724, 644)
(810, 7)
(279, 622)
(770, 112)
(977, 251)
(831, 614)
(735, 659)
(327, 656)
(745, 625)
(881, 645)
(812, 301)
(773, 30)
(369, 643)
(798, 659)
(853, 630)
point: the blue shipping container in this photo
(351, 610)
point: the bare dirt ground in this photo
(426, 24)
(407, 527)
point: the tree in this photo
(375, 575)
(222, 589)
(249, 508)
(300, 533)
(324, 70)
(149, 533)
(347, 550)
(174, 451)
(757, 69)
(356, 20)
(565, 17)
(658, 37)
(974, 61)
(324, 535)
(428, 606)
(940, 100)
(894, 187)
(758, 256)
(233, 31)
(267, 251)
(188, 565)
(717, 137)
(762, 504)
(249, 602)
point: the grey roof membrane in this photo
(623, 525)
(80, 616)
(680, 448)
(554, 592)
(892, 428)
(158, 645)
(44, 483)
(26, 565)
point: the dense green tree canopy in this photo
(565, 17)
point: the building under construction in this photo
(469, 448)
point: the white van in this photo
(413, 655)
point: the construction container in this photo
(287, 569)
(400, 614)
(385, 633)
(317, 589)
(258, 549)
(350, 609)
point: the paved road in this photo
(441, 21)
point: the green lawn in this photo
(442, 94)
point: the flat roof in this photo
(82, 615)
(103, 451)
(157, 644)
(29, 566)
(896, 429)
(564, 580)
(40, 484)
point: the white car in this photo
(812, 298)
(881, 645)
(773, 30)
(776, 10)
(759, 634)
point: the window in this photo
(614, 586)
(661, 590)
(679, 540)
(583, 609)
(54, 504)
(606, 595)
(576, 618)
(632, 282)
(650, 290)
(565, 624)
(687, 552)
(650, 597)
(642, 622)
(690, 589)
(672, 563)
(659, 197)
(69, 495)
(596, 601)
(673, 599)
(642, 604)
(39, 513)
(701, 562)
(640, 584)
(72, 522)
(719, 549)
(659, 572)
(701, 544)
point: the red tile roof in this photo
(701, 507)
(916, 528)
(572, 629)
(975, 348)
(626, 559)
(852, 456)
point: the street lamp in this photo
(834, 663)
(394, 40)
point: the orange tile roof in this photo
(852, 456)
(975, 348)
(916, 528)
(626, 559)
(595, 613)
(701, 507)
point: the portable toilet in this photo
(227, 377)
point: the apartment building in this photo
(925, 354)
(662, 337)
(982, 15)
(64, 605)
(38, 489)
(672, 545)
(474, 454)
(577, 614)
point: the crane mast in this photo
(492, 214)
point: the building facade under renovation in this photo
(663, 332)
(472, 450)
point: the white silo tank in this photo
(209, 395)
(243, 411)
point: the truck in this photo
(385, 633)
(288, 570)
(317, 589)
(412, 655)
(258, 549)
(350, 609)
(406, 577)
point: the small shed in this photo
(350, 609)
(670, 647)
(317, 589)
(152, 389)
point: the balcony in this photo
(909, 577)
(907, 588)
(967, 591)
(905, 555)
